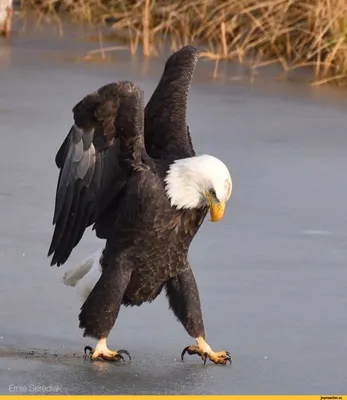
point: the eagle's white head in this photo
(199, 181)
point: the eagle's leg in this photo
(100, 310)
(205, 352)
(184, 300)
(102, 351)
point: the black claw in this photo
(90, 350)
(122, 351)
(184, 352)
(119, 357)
(228, 356)
(205, 355)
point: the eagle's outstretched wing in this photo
(166, 130)
(90, 174)
(108, 131)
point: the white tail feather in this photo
(85, 275)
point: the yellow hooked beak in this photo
(216, 208)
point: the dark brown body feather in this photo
(112, 169)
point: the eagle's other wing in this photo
(166, 130)
(90, 162)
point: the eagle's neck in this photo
(183, 184)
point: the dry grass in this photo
(294, 33)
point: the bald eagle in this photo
(132, 173)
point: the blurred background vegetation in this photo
(294, 33)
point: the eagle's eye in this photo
(212, 192)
